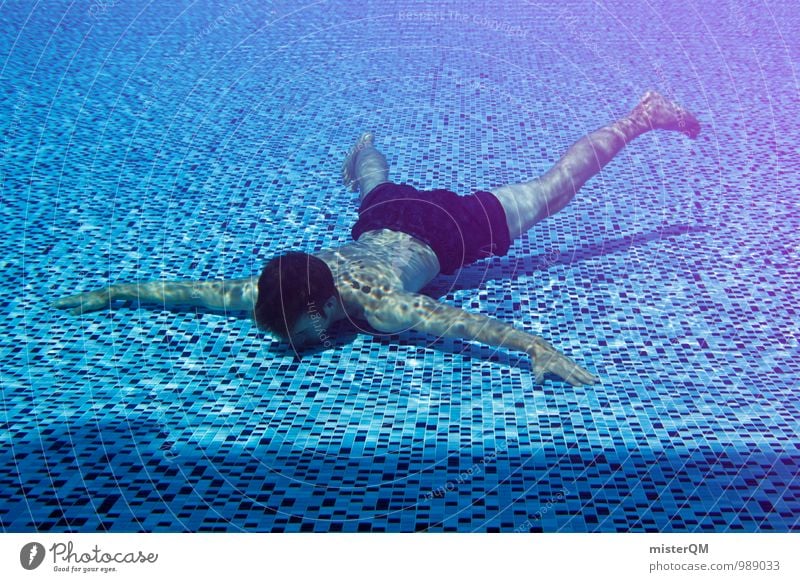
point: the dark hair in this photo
(290, 285)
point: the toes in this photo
(650, 96)
(689, 125)
(663, 113)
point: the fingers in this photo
(83, 302)
(571, 371)
(549, 360)
(65, 302)
(74, 303)
(578, 376)
(538, 374)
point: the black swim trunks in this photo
(459, 229)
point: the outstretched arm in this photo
(402, 311)
(222, 295)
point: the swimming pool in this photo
(194, 140)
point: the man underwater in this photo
(402, 240)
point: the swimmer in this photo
(403, 239)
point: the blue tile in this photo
(194, 141)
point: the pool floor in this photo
(195, 140)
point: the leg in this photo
(527, 203)
(365, 167)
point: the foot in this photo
(660, 113)
(349, 166)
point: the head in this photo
(297, 298)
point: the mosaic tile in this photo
(196, 140)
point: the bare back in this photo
(379, 263)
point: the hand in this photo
(85, 302)
(545, 358)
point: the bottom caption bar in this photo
(355, 557)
